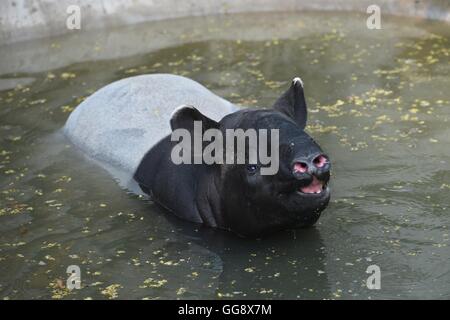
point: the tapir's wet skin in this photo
(378, 106)
(227, 195)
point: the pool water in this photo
(379, 105)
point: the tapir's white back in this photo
(119, 123)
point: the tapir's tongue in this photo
(314, 187)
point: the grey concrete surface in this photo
(32, 19)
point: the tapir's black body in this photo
(236, 197)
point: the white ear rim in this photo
(297, 80)
(179, 108)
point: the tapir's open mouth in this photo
(315, 187)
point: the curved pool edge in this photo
(23, 20)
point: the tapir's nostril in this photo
(301, 167)
(320, 161)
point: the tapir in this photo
(128, 125)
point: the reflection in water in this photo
(379, 105)
(287, 265)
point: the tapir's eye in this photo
(252, 168)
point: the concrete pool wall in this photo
(22, 20)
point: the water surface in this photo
(379, 104)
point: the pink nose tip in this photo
(300, 167)
(320, 161)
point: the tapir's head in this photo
(260, 196)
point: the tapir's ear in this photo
(292, 103)
(185, 115)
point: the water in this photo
(379, 104)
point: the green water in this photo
(379, 104)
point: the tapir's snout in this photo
(315, 164)
(313, 170)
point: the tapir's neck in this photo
(192, 192)
(208, 199)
